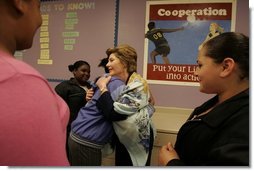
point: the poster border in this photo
(148, 3)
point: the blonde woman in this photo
(215, 30)
(135, 135)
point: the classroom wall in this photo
(131, 31)
(74, 30)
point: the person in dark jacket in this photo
(73, 91)
(217, 132)
(134, 134)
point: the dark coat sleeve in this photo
(62, 90)
(175, 162)
(105, 103)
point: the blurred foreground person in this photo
(33, 117)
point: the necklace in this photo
(205, 112)
(84, 87)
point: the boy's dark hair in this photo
(151, 25)
(103, 64)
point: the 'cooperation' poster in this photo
(175, 32)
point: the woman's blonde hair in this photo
(218, 27)
(127, 56)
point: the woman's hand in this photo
(103, 81)
(167, 153)
(89, 94)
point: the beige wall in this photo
(131, 31)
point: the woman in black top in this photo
(217, 132)
(73, 91)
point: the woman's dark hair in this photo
(77, 64)
(230, 45)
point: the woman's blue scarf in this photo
(134, 132)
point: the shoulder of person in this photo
(116, 80)
(12, 67)
(137, 78)
(114, 83)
